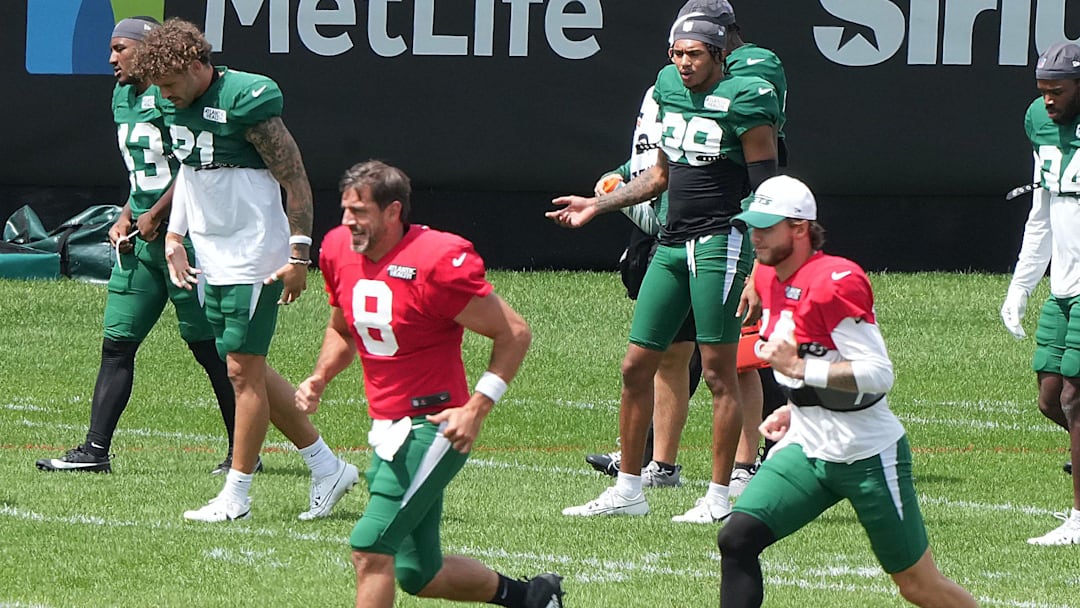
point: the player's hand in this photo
(119, 231)
(576, 211)
(462, 424)
(182, 274)
(1012, 311)
(607, 183)
(148, 226)
(309, 393)
(749, 305)
(783, 356)
(776, 424)
(295, 278)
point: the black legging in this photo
(741, 541)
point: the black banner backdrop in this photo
(906, 117)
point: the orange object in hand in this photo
(610, 183)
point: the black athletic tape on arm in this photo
(760, 171)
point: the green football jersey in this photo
(144, 141)
(702, 128)
(210, 133)
(707, 177)
(753, 60)
(1055, 149)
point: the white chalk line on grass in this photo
(591, 569)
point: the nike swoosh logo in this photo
(836, 276)
(754, 61)
(764, 91)
(458, 261)
(258, 91)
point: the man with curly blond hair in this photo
(236, 154)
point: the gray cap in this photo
(704, 21)
(134, 28)
(1060, 62)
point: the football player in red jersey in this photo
(401, 296)
(837, 438)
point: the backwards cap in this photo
(704, 21)
(1060, 62)
(134, 28)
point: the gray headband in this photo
(134, 28)
(1060, 62)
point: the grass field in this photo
(988, 466)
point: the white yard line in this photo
(595, 569)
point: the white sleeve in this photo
(1036, 247)
(644, 217)
(861, 343)
(178, 222)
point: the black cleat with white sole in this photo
(544, 591)
(77, 459)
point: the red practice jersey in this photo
(812, 302)
(401, 313)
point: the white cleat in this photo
(740, 478)
(327, 491)
(705, 511)
(220, 509)
(610, 502)
(1067, 533)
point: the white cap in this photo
(778, 198)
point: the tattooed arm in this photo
(578, 211)
(279, 151)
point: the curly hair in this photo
(170, 49)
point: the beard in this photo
(777, 254)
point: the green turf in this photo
(987, 465)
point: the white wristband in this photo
(491, 386)
(816, 373)
(299, 239)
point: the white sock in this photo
(1075, 515)
(237, 485)
(628, 485)
(717, 492)
(319, 458)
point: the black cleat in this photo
(608, 464)
(1067, 468)
(544, 591)
(77, 459)
(226, 464)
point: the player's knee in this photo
(743, 537)
(411, 580)
(231, 341)
(917, 590)
(1070, 363)
(636, 372)
(116, 353)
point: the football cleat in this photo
(610, 502)
(544, 591)
(327, 491)
(77, 459)
(1067, 468)
(608, 464)
(705, 511)
(226, 464)
(1067, 533)
(740, 478)
(220, 509)
(655, 476)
